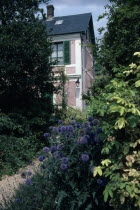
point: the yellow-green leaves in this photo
(120, 123)
(137, 84)
(106, 162)
(97, 170)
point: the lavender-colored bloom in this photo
(70, 128)
(97, 138)
(55, 130)
(63, 167)
(28, 182)
(102, 182)
(53, 148)
(78, 125)
(90, 119)
(18, 200)
(95, 122)
(29, 173)
(85, 124)
(70, 135)
(46, 135)
(60, 146)
(41, 158)
(84, 157)
(59, 128)
(60, 121)
(72, 122)
(88, 129)
(57, 156)
(63, 130)
(99, 130)
(46, 149)
(65, 160)
(83, 140)
(51, 128)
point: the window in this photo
(58, 22)
(61, 52)
(58, 53)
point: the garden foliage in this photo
(118, 107)
(26, 80)
(65, 179)
(121, 37)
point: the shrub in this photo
(65, 179)
(118, 107)
(74, 113)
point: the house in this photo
(72, 38)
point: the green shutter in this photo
(66, 52)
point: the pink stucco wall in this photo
(70, 70)
(71, 93)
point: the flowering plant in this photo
(65, 180)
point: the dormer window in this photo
(58, 22)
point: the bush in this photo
(74, 113)
(20, 139)
(65, 179)
(118, 108)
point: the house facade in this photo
(72, 37)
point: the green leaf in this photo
(128, 188)
(106, 196)
(97, 170)
(137, 84)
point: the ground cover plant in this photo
(118, 107)
(65, 179)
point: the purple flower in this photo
(72, 122)
(46, 149)
(70, 135)
(28, 182)
(59, 128)
(29, 173)
(99, 130)
(41, 158)
(60, 146)
(60, 121)
(78, 125)
(65, 160)
(90, 119)
(53, 148)
(55, 130)
(85, 124)
(70, 128)
(83, 140)
(46, 135)
(63, 130)
(84, 157)
(102, 182)
(57, 156)
(97, 139)
(63, 167)
(51, 128)
(18, 200)
(95, 122)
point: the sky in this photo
(72, 7)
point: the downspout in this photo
(83, 67)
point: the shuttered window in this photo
(66, 52)
(61, 53)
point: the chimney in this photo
(50, 11)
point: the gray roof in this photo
(71, 24)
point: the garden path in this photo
(9, 183)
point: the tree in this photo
(121, 39)
(26, 77)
